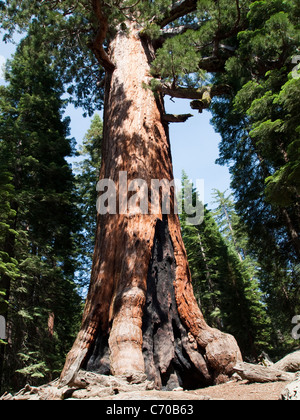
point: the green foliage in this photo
(177, 58)
(275, 132)
(32, 369)
(259, 126)
(88, 172)
(63, 31)
(8, 265)
(38, 220)
(69, 29)
(224, 282)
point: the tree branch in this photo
(179, 9)
(171, 33)
(179, 92)
(173, 118)
(201, 97)
(208, 95)
(97, 44)
(212, 64)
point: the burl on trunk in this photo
(141, 315)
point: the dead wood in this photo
(290, 363)
(257, 373)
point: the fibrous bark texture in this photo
(141, 314)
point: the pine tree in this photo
(43, 304)
(223, 282)
(8, 266)
(260, 136)
(233, 229)
(88, 172)
(259, 124)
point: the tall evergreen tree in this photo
(259, 125)
(43, 304)
(233, 230)
(88, 173)
(229, 295)
(260, 143)
(8, 266)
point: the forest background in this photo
(244, 257)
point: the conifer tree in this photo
(88, 172)
(259, 125)
(229, 294)
(8, 266)
(43, 304)
(260, 136)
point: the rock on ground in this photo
(292, 391)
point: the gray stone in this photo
(292, 391)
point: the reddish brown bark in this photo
(136, 141)
(51, 320)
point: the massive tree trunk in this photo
(141, 315)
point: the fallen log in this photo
(290, 363)
(261, 374)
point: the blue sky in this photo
(194, 143)
(195, 148)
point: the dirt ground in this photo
(229, 391)
(117, 389)
(244, 391)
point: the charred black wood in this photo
(166, 345)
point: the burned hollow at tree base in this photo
(165, 340)
(167, 345)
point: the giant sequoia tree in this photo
(141, 315)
